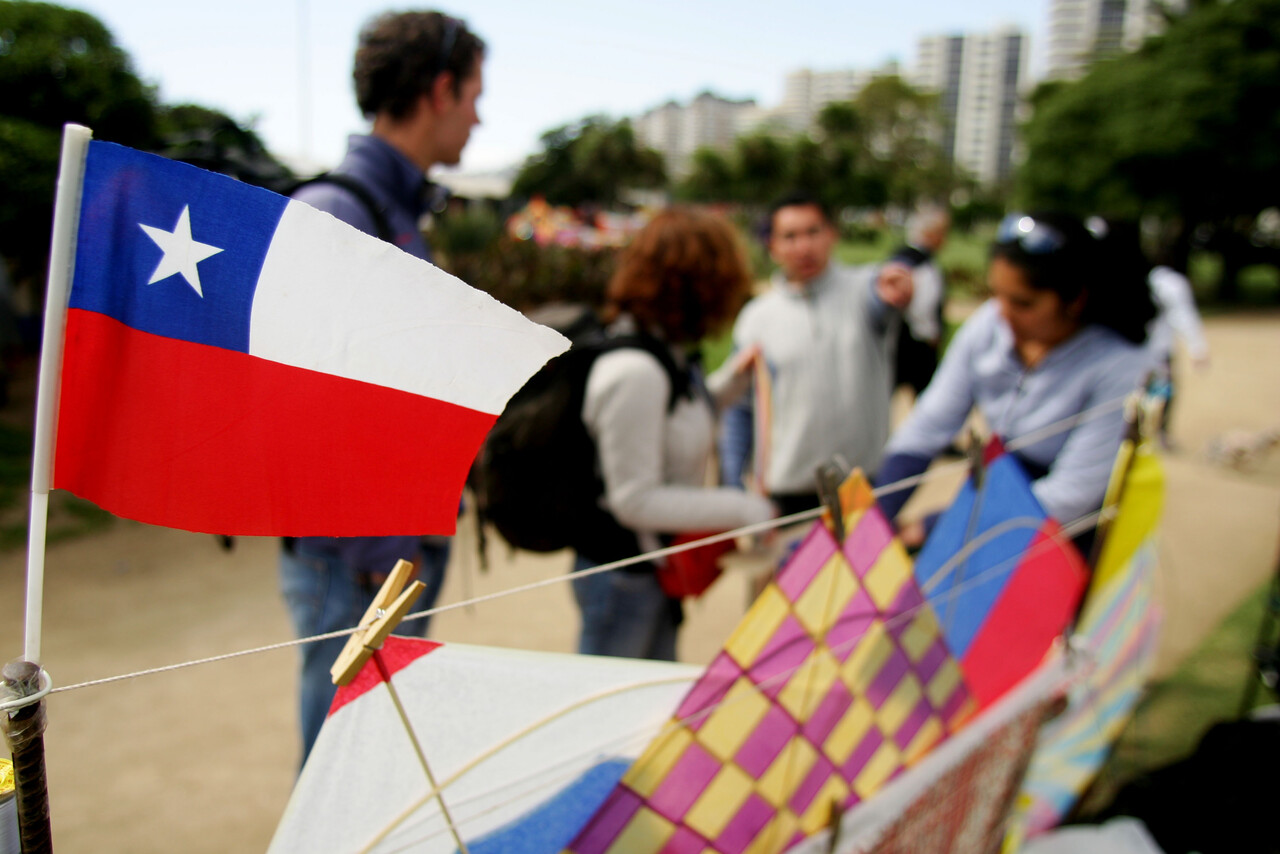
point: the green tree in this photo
(763, 167)
(1185, 129)
(213, 140)
(56, 66)
(854, 179)
(881, 147)
(757, 169)
(711, 178)
(869, 152)
(809, 169)
(899, 127)
(591, 161)
(60, 65)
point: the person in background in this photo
(824, 331)
(417, 78)
(1176, 315)
(1176, 318)
(682, 277)
(920, 338)
(1061, 337)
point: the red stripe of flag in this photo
(206, 439)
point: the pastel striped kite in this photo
(835, 681)
(1117, 634)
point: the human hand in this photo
(894, 285)
(743, 361)
(912, 534)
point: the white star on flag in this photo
(181, 252)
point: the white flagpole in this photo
(62, 256)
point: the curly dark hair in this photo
(1116, 293)
(685, 274)
(400, 54)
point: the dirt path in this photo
(202, 759)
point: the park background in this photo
(1178, 134)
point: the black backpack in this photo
(536, 478)
(361, 194)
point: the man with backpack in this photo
(417, 77)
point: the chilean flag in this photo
(240, 363)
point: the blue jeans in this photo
(625, 614)
(325, 595)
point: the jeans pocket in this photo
(304, 584)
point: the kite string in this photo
(1025, 440)
(582, 702)
(1058, 540)
(1059, 426)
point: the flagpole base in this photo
(24, 731)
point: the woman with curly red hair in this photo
(683, 277)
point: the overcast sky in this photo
(284, 65)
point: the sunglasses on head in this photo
(447, 42)
(1031, 235)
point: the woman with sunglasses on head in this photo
(1060, 337)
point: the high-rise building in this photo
(979, 79)
(806, 92)
(1082, 30)
(937, 70)
(678, 130)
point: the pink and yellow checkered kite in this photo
(837, 679)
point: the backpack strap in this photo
(362, 194)
(681, 384)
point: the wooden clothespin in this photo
(977, 460)
(829, 478)
(385, 613)
(1142, 410)
(834, 826)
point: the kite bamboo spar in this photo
(384, 613)
(25, 683)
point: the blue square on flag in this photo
(127, 211)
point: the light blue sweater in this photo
(981, 368)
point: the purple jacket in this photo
(398, 184)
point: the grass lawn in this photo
(1209, 686)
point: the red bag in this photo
(690, 573)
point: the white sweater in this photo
(827, 346)
(654, 462)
